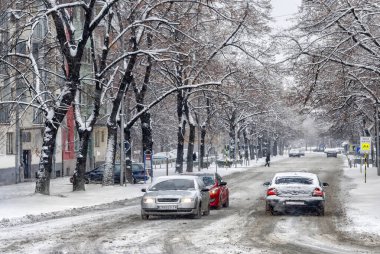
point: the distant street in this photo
(244, 227)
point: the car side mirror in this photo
(143, 190)
(205, 189)
(266, 183)
(223, 183)
(325, 184)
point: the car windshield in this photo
(293, 180)
(208, 180)
(174, 184)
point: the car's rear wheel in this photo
(321, 211)
(269, 209)
(207, 212)
(227, 203)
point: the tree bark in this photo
(80, 168)
(46, 159)
(190, 148)
(275, 148)
(202, 148)
(246, 145)
(128, 155)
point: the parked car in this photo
(302, 151)
(96, 175)
(295, 190)
(219, 191)
(331, 152)
(176, 195)
(294, 153)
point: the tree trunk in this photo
(202, 148)
(146, 130)
(80, 168)
(260, 148)
(128, 155)
(108, 175)
(190, 148)
(246, 145)
(275, 148)
(112, 124)
(46, 159)
(252, 151)
(181, 132)
(180, 146)
(232, 140)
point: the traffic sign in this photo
(365, 144)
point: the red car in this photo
(219, 192)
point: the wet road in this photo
(244, 227)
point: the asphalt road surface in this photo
(244, 227)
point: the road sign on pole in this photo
(365, 145)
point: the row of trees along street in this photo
(335, 51)
(205, 64)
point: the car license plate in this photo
(167, 207)
(295, 202)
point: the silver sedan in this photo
(293, 190)
(176, 195)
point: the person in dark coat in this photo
(267, 160)
(194, 156)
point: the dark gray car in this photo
(176, 195)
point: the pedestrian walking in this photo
(267, 160)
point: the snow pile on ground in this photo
(363, 202)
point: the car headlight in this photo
(187, 200)
(149, 200)
(213, 192)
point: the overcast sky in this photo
(283, 10)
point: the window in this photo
(10, 142)
(208, 180)
(4, 114)
(4, 108)
(38, 116)
(294, 180)
(102, 136)
(97, 143)
(26, 136)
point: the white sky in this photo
(283, 10)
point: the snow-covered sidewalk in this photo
(363, 201)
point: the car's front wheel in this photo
(198, 213)
(220, 202)
(227, 203)
(144, 216)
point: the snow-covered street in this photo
(107, 220)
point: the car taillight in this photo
(271, 192)
(317, 192)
